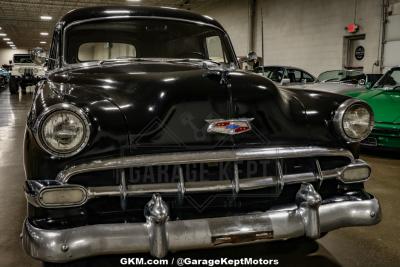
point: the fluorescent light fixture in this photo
(43, 42)
(135, 1)
(0, 28)
(6, 39)
(9, 42)
(46, 17)
(3, 34)
(44, 33)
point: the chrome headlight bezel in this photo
(339, 116)
(46, 115)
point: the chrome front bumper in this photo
(309, 216)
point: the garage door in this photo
(391, 54)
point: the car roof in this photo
(135, 11)
(283, 66)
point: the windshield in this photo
(390, 80)
(344, 76)
(146, 39)
(22, 59)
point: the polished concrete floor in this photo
(362, 246)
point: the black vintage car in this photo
(146, 137)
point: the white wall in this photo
(303, 33)
(233, 15)
(310, 33)
(7, 54)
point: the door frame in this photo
(346, 45)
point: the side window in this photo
(294, 75)
(275, 75)
(308, 77)
(214, 49)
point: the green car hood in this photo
(384, 103)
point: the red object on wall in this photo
(352, 28)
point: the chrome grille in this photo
(284, 166)
(28, 71)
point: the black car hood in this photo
(167, 105)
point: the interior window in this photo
(214, 49)
(307, 77)
(105, 50)
(294, 75)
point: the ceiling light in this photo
(10, 43)
(134, 1)
(6, 39)
(46, 17)
(44, 33)
(0, 28)
(13, 48)
(3, 34)
(43, 42)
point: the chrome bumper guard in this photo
(309, 216)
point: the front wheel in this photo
(13, 86)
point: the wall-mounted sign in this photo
(359, 53)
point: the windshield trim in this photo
(378, 86)
(64, 34)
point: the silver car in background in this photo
(345, 82)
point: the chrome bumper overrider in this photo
(309, 216)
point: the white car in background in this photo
(24, 72)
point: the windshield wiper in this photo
(194, 60)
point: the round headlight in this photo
(21, 70)
(354, 120)
(64, 131)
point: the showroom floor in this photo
(363, 246)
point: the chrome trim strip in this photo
(278, 223)
(200, 157)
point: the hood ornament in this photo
(230, 127)
(222, 71)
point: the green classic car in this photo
(384, 98)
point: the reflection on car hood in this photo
(385, 103)
(332, 87)
(167, 105)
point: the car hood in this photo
(337, 88)
(168, 105)
(385, 104)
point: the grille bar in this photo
(201, 157)
(215, 186)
